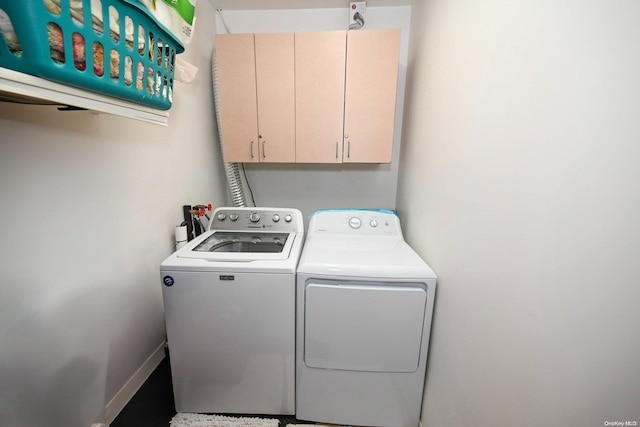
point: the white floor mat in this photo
(314, 425)
(201, 420)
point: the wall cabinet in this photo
(319, 97)
(256, 92)
(276, 97)
(235, 59)
(370, 95)
(346, 85)
(320, 66)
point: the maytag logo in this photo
(227, 278)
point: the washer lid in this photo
(186, 259)
(382, 256)
(239, 246)
(243, 241)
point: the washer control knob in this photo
(355, 222)
(276, 217)
(233, 217)
(254, 217)
(373, 223)
(288, 218)
(221, 216)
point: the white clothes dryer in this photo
(229, 305)
(364, 308)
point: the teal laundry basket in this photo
(112, 47)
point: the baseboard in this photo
(124, 395)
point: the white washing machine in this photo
(365, 302)
(229, 305)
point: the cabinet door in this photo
(237, 97)
(276, 97)
(319, 82)
(370, 95)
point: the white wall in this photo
(519, 184)
(309, 187)
(88, 206)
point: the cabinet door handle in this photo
(336, 149)
(252, 149)
(264, 153)
(348, 149)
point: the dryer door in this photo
(363, 327)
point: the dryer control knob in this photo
(288, 218)
(221, 216)
(355, 222)
(276, 217)
(254, 217)
(233, 217)
(373, 223)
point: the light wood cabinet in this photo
(321, 97)
(256, 97)
(370, 95)
(346, 85)
(320, 64)
(235, 59)
(276, 97)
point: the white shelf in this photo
(19, 85)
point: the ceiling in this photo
(298, 4)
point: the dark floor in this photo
(153, 406)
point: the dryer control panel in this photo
(355, 221)
(254, 218)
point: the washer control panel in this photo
(256, 218)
